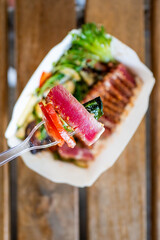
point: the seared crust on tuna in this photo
(115, 90)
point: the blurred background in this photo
(125, 201)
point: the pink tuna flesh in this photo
(77, 153)
(126, 73)
(75, 114)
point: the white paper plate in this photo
(62, 172)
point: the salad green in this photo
(92, 40)
(89, 46)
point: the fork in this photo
(25, 146)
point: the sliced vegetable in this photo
(57, 122)
(50, 83)
(88, 77)
(71, 72)
(44, 77)
(37, 111)
(27, 111)
(70, 86)
(75, 114)
(21, 130)
(51, 129)
(65, 125)
(80, 163)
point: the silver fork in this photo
(24, 146)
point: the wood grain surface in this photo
(4, 175)
(155, 118)
(117, 201)
(45, 210)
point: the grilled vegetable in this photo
(44, 77)
(50, 83)
(27, 111)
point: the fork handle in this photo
(14, 152)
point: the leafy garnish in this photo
(89, 46)
(94, 40)
(95, 106)
(77, 58)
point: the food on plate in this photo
(61, 107)
(78, 155)
(75, 115)
(89, 72)
(115, 90)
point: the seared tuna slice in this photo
(75, 114)
(112, 106)
(106, 133)
(115, 90)
(108, 83)
(77, 153)
(126, 75)
(107, 123)
(99, 90)
(113, 116)
(117, 83)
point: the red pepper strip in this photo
(57, 122)
(50, 127)
(44, 77)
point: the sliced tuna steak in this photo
(115, 90)
(107, 123)
(77, 153)
(75, 114)
(126, 74)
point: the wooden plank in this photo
(155, 119)
(4, 174)
(116, 202)
(45, 210)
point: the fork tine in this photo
(45, 145)
(34, 130)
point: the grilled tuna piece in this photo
(115, 90)
(75, 114)
(77, 153)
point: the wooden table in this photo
(115, 207)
